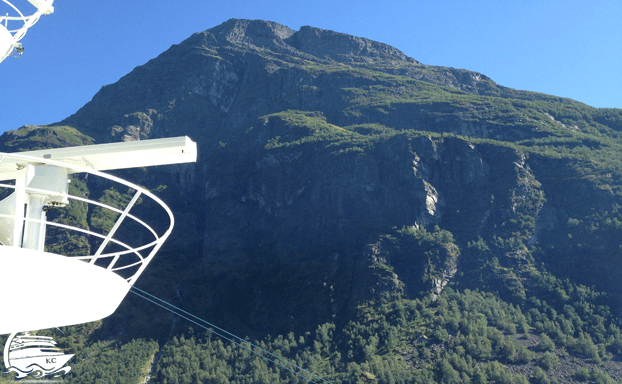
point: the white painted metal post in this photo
(20, 201)
(34, 215)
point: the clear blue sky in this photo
(567, 48)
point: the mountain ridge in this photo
(308, 36)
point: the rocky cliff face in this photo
(244, 69)
(333, 169)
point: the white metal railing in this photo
(125, 256)
(9, 38)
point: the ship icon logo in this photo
(34, 356)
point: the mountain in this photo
(359, 211)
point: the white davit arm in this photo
(43, 5)
(106, 157)
(9, 38)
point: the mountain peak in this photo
(320, 43)
(254, 32)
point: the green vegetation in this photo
(107, 363)
(305, 128)
(103, 219)
(30, 137)
(466, 336)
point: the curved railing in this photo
(118, 251)
(9, 38)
